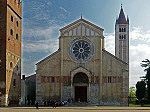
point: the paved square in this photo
(76, 109)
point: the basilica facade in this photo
(82, 70)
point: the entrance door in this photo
(81, 93)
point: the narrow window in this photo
(110, 79)
(124, 36)
(11, 65)
(14, 83)
(53, 79)
(124, 29)
(119, 29)
(12, 19)
(11, 32)
(17, 24)
(16, 36)
(119, 36)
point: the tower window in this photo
(16, 36)
(124, 37)
(14, 83)
(119, 36)
(17, 24)
(119, 29)
(11, 32)
(124, 29)
(12, 19)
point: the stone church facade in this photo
(82, 70)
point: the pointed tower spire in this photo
(122, 37)
(127, 19)
(122, 18)
(81, 15)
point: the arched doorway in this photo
(80, 83)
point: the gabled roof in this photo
(83, 20)
(122, 18)
(114, 56)
(48, 57)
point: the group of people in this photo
(54, 104)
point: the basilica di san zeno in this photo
(83, 70)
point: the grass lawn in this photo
(137, 105)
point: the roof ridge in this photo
(81, 19)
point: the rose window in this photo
(81, 50)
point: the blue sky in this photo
(42, 20)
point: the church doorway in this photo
(80, 82)
(81, 93)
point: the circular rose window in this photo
(81, 50)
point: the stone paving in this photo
(75, 109)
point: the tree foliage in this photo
(132, 94)
(146, 64)
(140, 90)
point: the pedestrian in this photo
(56, 103)
(44, 103)
(37, 105)
(53, 104)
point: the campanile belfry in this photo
(122, 37)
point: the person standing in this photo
(37, 105)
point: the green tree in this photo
(132, 94)
(146, 64)
(140, 90)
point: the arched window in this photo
(80, 78)
(119, 29)
(11, 65)
(12, 19)
(124, 29)
(124, 36)
(17, 24)
(14, 83)
(11, 32)
(119, 36)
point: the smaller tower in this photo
(122, 37)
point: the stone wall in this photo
(115, 80)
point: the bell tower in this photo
(10, 51)
(122, 37)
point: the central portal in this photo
(80, 83)
(81, 93)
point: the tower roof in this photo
(122, 18)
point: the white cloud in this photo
(41, 46)
(139, 50)
(41, 40)
(63, 9)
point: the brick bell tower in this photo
(10, 51)
(122, 37)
